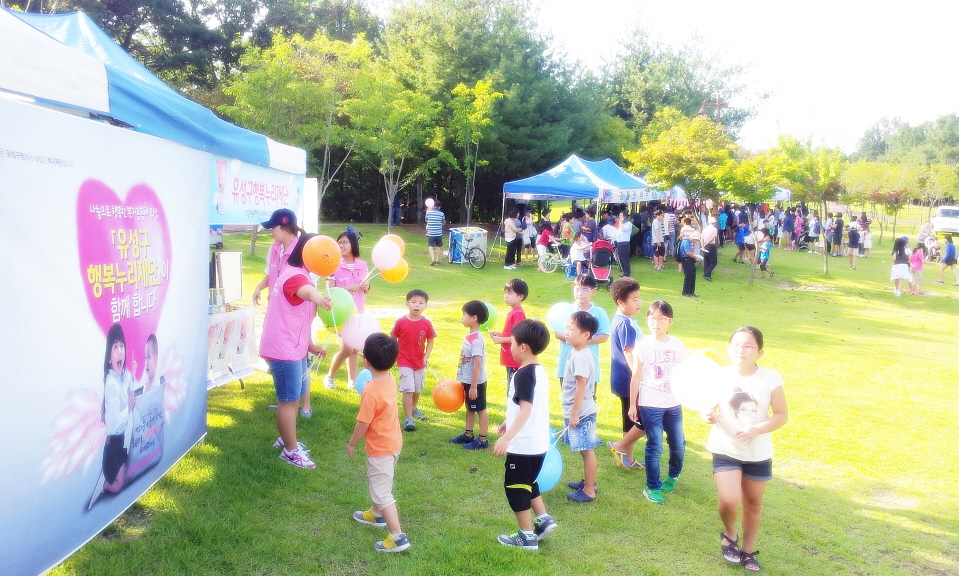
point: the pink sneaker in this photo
(298, 458)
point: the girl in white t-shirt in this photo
(741, 444)
(577, 252)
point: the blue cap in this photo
(283, 216)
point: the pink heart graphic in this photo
(125, 261)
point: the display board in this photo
(245, 194)
(104, 300)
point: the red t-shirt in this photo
(292, 285)
(515, 316)
(412, 336)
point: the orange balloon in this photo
(396, 240)
(397, 273)
(321, 255)
(448, 395)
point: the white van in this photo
(946, 221)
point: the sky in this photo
(833, 68)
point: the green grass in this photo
(867, 478)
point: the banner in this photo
(104, 257)
(246, 194)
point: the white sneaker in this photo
(351, 384)
(329, 383)
(279, 444)
(298, 458)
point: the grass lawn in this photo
(867, 473)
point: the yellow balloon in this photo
(397, 273)
(714, 356)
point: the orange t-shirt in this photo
(378, 409)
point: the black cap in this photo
(283, 216)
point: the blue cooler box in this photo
(466, 238)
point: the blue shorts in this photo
(289, 378)
(582, 437)
(761, 471)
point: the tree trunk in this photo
(419, 198)
(253, 242)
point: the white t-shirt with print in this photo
(745, 401)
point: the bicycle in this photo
(551, 261)
(473, 254)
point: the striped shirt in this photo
(434, 222)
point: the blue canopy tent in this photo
(67, 62)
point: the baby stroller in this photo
(601, 262)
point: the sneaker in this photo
(579, 485)
(654, 496)
(461, 439)
(580, 496)
(409, 425)
(418, 415)
(477, 445)
(351, 384)
(543, 528)
(519, 540)
(279, 444)
(393, 543)
(369, 518)
(669, 484)
(329, 382)
(298, 458)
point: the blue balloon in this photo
(551, 471)
(362, 379)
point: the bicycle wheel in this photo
(476, 257)
(449, 255)
(550, 263)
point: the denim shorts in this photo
(582, 437)
(289, 378)
(761, 471)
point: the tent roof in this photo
(66, 60)
(574, 179)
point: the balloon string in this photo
(370, 275)
(559, 436)
(430, 368)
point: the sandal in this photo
(748, 560)
(621, 459)
(730, 551)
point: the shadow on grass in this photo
(252, 514)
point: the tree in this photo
(693, 153)
(392, 123)
(471, 108)
(303, 86)
(756, 178)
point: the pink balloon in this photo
(357, 329)
(386, 255)
(429, 202)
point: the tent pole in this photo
(502, 221)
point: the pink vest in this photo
(344, 277)
(276, 263)
(286, 328)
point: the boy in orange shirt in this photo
(378, 422)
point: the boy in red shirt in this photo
(414, 333)
(514, 293)
(378, 423)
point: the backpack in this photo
(815, 228)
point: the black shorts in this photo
(741, 246)
(949, 261)
(114, 457)
(479, 404)
(520, 479)
(434, 241)
(759, 471)
(627, 423)
(750, 247)
(659, 249)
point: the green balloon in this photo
(490, 318)
(343, 308)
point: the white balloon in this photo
(429, 202)
(386, 255)
(695, 382)
(357, 329)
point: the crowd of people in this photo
(640, 365)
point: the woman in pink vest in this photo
(284, 344)
(282, 225)
(351, 276)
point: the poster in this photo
(246, 194)
(104, 253)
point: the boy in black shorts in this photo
(525, 437)
(472, 374)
